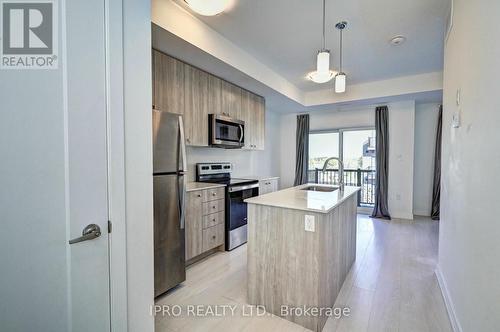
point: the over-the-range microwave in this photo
(226, 132)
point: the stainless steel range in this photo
(237, 190)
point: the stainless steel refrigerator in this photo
(169, 187)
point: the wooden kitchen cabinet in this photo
(205, 220)
(259, 133)
(183, 89)
(168, 83)
(194, 224)
(231, 100)
(268, 185)
(253, 113)
(214, 95)
(196, 87)
(247, 115)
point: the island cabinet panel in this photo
(168, 83)
(288, 265)
(196, 89)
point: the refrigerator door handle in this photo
(182, 145)
(181, 172)
(181, 193)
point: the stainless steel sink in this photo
(319, 188)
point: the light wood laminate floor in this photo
(391, 286)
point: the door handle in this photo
(90, 232)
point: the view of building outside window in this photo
(321, 147)
(359, 149)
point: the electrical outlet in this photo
(455, 121)
(309, 223)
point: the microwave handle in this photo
(241, 133)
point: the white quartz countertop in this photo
(258, 177)
(298, 199)
(193, 186)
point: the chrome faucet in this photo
(341, 171)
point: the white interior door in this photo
(87, 164)
(54, 183)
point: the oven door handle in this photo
(241, 133)
(240, 188)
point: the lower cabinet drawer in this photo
(213, 206)
(213, 237)
(213, 219)
(213, 194)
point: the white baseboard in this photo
(365, 210)
(455, 325)
(402, 216)
(421, 213)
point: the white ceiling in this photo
(286, 34)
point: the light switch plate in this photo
(309, 223)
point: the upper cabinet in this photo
(231, 100)
(253, 113)
(196, 110)
(184, 89)
(168, 83)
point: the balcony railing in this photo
(352, 177)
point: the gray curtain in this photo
(381, 210)
(436, 187)
(302, 149)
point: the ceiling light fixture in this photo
(340, 78)
(320, 77)
(397, 40)
(323, 73)
(208, 7)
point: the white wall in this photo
(246, 163)
(426, 117)
(401, 145)
(401, 127)
(469, 233)
(138, 163)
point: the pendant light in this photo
(323, 58)
(208, 7)
(323, 73)
(340, 78)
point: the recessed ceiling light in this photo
(321, 77)
(397, 40)
(208, 7)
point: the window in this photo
(321, 147)
(356, 148)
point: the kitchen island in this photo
(301, 245)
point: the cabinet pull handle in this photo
(214, 194)
(213, 237)
(199, 195)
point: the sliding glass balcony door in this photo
(356, 148)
